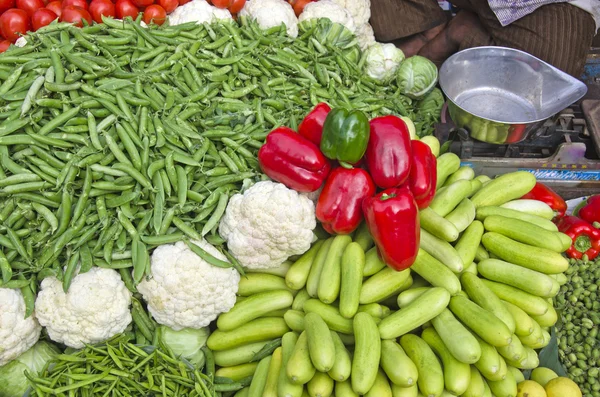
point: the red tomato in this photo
(125, 8)
(14, 23)
(182, 2)
(143, 3)
(168, 5)
(75, 15)
(30, 6)
(299, 5)
(42, 17)
(155, 14)
(102, 7)
(222, 3)
(55, 6)
(4, 44)
(77, 3)
(6, 4)
(236, 6)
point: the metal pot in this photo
(502, 95)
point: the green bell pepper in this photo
(345, 136)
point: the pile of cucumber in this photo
(464, 320)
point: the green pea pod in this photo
(345, 135)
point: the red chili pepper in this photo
(293, 160)
(339, 208)
(393, 220)
(545, 194)
(586, 238)
(423, 174)
(312, 126)
(389, 151)
(590, 212)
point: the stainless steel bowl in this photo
(501, 95)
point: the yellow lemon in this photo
(529, 388)
(562, 387)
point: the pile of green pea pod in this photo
(578, 341)
(115, 138)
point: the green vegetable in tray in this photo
(13, 382)
(186, 343)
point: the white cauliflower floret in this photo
(329, 9)
(95, 308)
(17, 333)
(185, 291)
(383, 60)
(268, 224)
(360, 10)
(271, 13)
(198, 11)
(365, 36)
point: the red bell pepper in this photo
(339, 208)
(545, 194)
(590, 211)
(388, 155)
(423, 174)
(293, 160)
(586, 238)
(393, 220)
(312, 126)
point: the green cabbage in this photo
(186, 343)
(13, 382)
(416, 76)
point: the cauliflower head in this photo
(365, 36)
(198, 11)
(383, 60)
(17, 333)
(329, 9)
(267, 224)
(185, 291)
(271, 13)
(360, 10)
(95, 308)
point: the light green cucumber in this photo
(506, 387)
(476, 185)
(331, 275)
(334, 320)
(261, 329)
(411, 391)
(299, 368)
(435, 272)
(524, 232)
(548, 319)
(253, 307)
(363, 237)
(464, 172)
(374, 309)
(433, 143)
(457, 338)
(284, 386)
(489, 362)
(418, 312)
(476, 384)
(534, 258)
(448, 199)
(373, 262)
(320, 342)
(383, 284)
(242, 392)
(523, 323)
(462, 216)
(295, 320)
(353, 263)
(531, 304)
(381, 387)
(343, 363)
(480, 294)
(270, 388)
(321, 385)
(298, 274)
(504, 188)
(442, 251)
(237, 372)
(517, 374)
(513, 351)
(259, 380)
(407, 297)
(560, 278)
(481, 253)
(565, 240)
(301, 297)
(447, 164)
(532, 207)
(535, 283)
(279, 271)
(468, 244)
(344, 389)
(481, 321)
(367, 353)
(471, 269)
(255, 283)
(238, 355)
(312, 283)
(431, 375)
(438, 225)
(396, 364)
(535, 338)
(456, 374)
(484, 212)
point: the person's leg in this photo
(407, 23)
